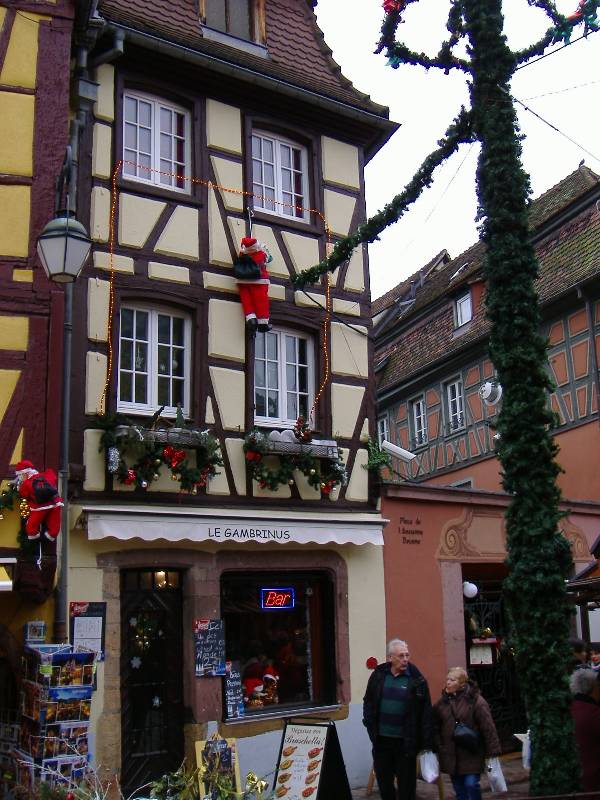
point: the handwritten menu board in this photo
(87, 624)
(209, 647)
(300, 761)
(218, 762)
(234, 695)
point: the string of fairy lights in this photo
(209, 184)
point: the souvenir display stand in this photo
(56, 693)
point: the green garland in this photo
(322, 473)
(458, 133)
(377, 459)
(137, 463)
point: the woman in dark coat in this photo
(462, 701)
(585, 687)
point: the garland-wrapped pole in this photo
(539, 557)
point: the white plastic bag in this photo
(495, 776)
(527, 751)
(428, 764)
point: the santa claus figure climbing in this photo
(253, 283)
(40, 491)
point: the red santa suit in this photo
(44, 513)
(254, 292)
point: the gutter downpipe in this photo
(78, 123)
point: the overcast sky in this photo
(426, 102)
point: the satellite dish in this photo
(490, 392)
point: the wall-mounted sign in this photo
(277, 599)
(87, 623)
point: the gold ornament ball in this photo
(312, 472)
(291, 482)
(157, 463)
(323, 485)
(174, 477)
(156, 476)
(194, 490)
(486, 633)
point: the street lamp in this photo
(63, 247)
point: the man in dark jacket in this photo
(398, 718)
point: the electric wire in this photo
(562, 91)
(554, 128)
(335, 316)
(552, 52)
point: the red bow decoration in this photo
(130, 477)
(172, 456)
(393, 5)
(252, 455)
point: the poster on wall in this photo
(209, 647)
(217, 762)
(87, 623)
(234, 694)
(310, 763)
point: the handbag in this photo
(465, 737)
(246, 269)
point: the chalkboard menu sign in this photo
(310, 763)
(209, 646)
(217, 759)
(234, 695)
(87, 626)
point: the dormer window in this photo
(463, 309)
(229, 16)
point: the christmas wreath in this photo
(322, 473)
(135, 454)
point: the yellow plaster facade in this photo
(303, 250)
(229, 174)
(137, 218)
(355, 274)
(95, 378)
(349, 350)
(219, 283)
(98, 300)
(223, 127)
(20, 63)
(168, 272)
(226, 332)
(15, 202)
(102, 151)
(16, 133)
(104, 108)
(228, 386)
(8, 382)
(218, 246)
(237, 462)
(99, 214)
(340, 163)
(94, 461)
(357, 488)
(345, 407)
(14, 333)
(180, 236)
(119, 263)
(339, 210)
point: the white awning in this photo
(262, 527)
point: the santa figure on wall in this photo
(252, 277)
(40, 491)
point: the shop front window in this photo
(280, 628)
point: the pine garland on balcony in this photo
(137, 461)
(324, 474)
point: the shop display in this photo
(56, 694)
(9, 737)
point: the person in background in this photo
(585, 688)
(397, 716)
(578, 654)
(595, 655)
(462, 701)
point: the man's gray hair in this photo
(582, 681)
(394, 643)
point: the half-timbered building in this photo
(438, 399)
(217, 121)
(35, 47)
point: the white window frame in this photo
(152, 389)
(281, 207)
(463, 306)
(282, 421)
(153, 176)
(455, 405)
(419, 420)
(383, 431)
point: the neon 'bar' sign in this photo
(277, 599)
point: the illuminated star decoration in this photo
(156, 702)
(133, 621)
(136, 662)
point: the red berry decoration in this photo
(371, 662)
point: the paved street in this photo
(517, 781)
